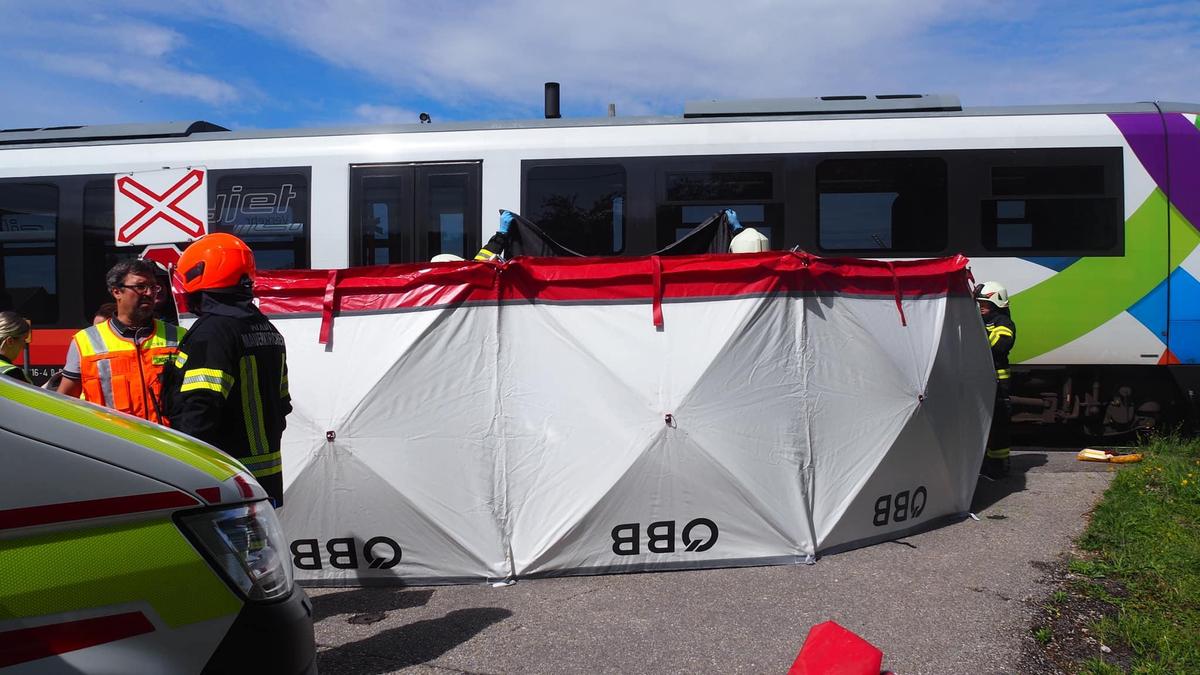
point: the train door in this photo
(402, 213)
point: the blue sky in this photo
(273, 64)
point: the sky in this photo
(312, 63)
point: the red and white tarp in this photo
(471, 421)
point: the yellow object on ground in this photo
(1093, 455)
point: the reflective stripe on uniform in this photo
(104, 370)
(998, 453)
(180, 360)
(252, 409)
(93, 342)
(283, 380)
(164, 336)
(996, 332)
(1003, 374)
(484, 255)
(264, 465)
(210, 379)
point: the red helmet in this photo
(215, 261)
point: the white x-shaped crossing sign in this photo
(155, 207)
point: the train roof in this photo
(695, 112)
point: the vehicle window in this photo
(1050, 209)
(691, 197)
(448, 198)
(385, 211)
(28, 239)
(101, 251)
(882, 204)
(580, 206)
(267, 210)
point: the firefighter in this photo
(745, 239)
(1002, 335)
(14, 336)
(118, 363)
(228, 384)
(499, 241)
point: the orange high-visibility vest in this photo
(119, 373)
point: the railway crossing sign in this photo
(166, 255)
(160, 207)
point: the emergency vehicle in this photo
(126, 547)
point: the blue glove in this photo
(731, 215)
(506, 218)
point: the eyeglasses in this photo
(141, 289)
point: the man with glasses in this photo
(119, 363)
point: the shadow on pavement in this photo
(988, 492)
(410, 644)
(367, 601)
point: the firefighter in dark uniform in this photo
(228, 384)
(1002, 335)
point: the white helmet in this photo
(445, 257)
(992, 292)
(749, 240)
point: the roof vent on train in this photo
(105, 132)
(825, 105)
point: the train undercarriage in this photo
(1103, 405)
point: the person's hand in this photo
(732, 217)
(506, 218)
(52, 383)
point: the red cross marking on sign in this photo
(155, 206)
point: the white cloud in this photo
(490, 57)
(384, 114)
(635, 53)
(149, 77)
(651, 56)
(133, 56)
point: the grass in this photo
(1145, 537)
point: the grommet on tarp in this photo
(330, 436)
(670, 420)
(804, 256)
(326, 333)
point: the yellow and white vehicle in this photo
(126, 547)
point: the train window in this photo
(580, 206)
(445, 226)
(1050, 209)
(446, 218)
(28, 238)
(98, 242)
(268, 209)
(691, 197)
(406, 212)
(882, 204)
(691, 186)
(383, 205)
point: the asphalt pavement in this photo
(952, 600)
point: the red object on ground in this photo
(830, 649)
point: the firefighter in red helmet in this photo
(228, 383)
